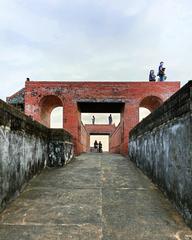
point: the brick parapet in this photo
(71, 93)
(100, 128)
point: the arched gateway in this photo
(95, 97)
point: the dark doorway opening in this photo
(100, 106)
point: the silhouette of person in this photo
(110, 119)
(152, 77)
(164, 76)
(95, 144)
(93, 119)
(161, 72)
(100, 146)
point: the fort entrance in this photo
(125, 98)
(101, 106)
(68, 201)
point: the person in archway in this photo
(95, 144)
(100, 147)
(93, 120)
(152, 77)
(110, 119)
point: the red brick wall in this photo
(131, 93)
(85, 139)
(115, 140)
(100, 128)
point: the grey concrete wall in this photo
(25, 150)
(161, 145)
(60, 148)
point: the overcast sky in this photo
(93, 40)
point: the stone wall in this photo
(26, 147)
(161, 145)
(60, 148)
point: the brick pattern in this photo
(115, 139)
(100, 128)
(85, 139)
(130, 93)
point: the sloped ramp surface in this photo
(97, 196)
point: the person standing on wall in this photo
(161, 72)
(164, 76)
(93, 120)
(110, 119)
(152, 77)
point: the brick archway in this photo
(42, 97)
(151, 102)
(46, 106)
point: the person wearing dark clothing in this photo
(100, 146)
(161, 72)
(95, 144)
(164, 76)
(152, 77)
(93, 120)
(110, 119)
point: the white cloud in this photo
(81, 39)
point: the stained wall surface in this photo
(26, 147)
(161, 145)
(69, 94)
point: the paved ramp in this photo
(97, 196)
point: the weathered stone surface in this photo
(97, 196)
(57, 232)
(60, 148)
(161, 145)
(25, 150)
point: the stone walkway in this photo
(97, 196)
